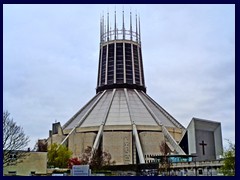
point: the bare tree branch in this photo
(14, 141)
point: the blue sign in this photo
(80, 170)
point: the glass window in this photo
(119, 63)
(103, 71)
(136, 65)
(141, 65)
(110, 79)
(128, 60)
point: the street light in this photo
(194, 155)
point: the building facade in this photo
(205, 139)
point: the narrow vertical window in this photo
(119, 63)
(128, 59)
(110, 74)
(103, 65)
(136, 64)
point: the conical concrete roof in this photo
(121, 107)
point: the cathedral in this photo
(121, 118)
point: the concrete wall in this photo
(191, 138)
(56, 139)
(119, 145)
(150, 142)
(116, 139)
(35, 162)
(56, 134)
(78, 142)
(209, 149)
(218, 142)
(209, 132)
(176, 133)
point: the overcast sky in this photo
(50, 61)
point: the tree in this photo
(73, 161)
(228, 168)
(14, 141)
(58, 156)
(41, 145)
(98, 160)
(85, 157)
(165, 164)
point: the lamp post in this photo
(195, 161)
(194, 155)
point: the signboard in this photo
(57, 174)
(80, 170)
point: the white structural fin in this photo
(134, 131)
(100, 131)
(83, 118)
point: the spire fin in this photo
(102, 28)
(108, 26)
(130, 24)
(115, 24)
(136, 29)
(123, 28)
(139, 28)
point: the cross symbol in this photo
(203, 149)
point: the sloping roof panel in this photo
(121, 111)
(119, 114)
